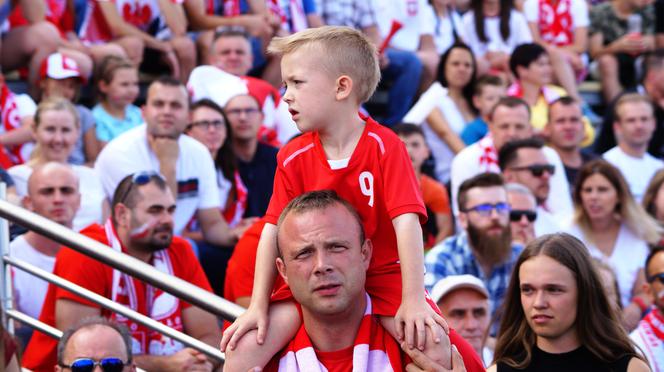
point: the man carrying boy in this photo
(367, 165)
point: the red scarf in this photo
(655, 320)
(234, 212)
(555, 24)
(489, 156)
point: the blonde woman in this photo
(56, 129)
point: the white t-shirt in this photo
(578, 10)
(627, 258)
(637, 171)
(546, 222)
(652, 347)
(436, 97)
(411, 15)
(443, 28)
(130, 153)
(519, 33)
(89, 185)
(29, 291)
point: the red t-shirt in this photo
(40, 354)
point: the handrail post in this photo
(5, 273)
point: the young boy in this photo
(488, 90)
(434, 194)
(328, 72)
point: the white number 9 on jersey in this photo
(367, 186)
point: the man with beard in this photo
(484, 249)
(141, 225)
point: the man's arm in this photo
(214, 228)
(68, 313)
(256, 24)
(201, 325)
(174, 16)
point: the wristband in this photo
(638, 301)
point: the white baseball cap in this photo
(454, 282)
(58, 66)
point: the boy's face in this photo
(65, 88)
(417, 149)
(310, 90)
(488, 98)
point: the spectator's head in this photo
(653, 76)
(56, 130)
(337, 59)
(95, 341)
(53, 192)
(609, 282)
(477, 6)
(634, 122)
(601, 195)
(245, 117)
(323, 254)
(564, 128)
(416, 144)
(523, 213)
(484, 214)
(117, 81)
(464, 302)
(142, 210)
(209, 125)
(488, 90)
(231, 51)
(653, 199)
(655, 276)
(553, 301)
(60, 76)
(530, 64)
(166, 109)
(458, 70)
(509, 120)
(523, 161)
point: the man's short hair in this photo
(508, 154)
(653, 252)
(517, 188)
(564, 101)
(319, 200)
(90, 322)
(407, 129)
(511, 102)
(345, 52)
(524, 55)
(487, 81)
(127, 192)
(630, 98)
(233, 31)
(481, 180)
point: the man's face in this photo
(467, 311)
(96, 342)
(566, 130)
(509, 123)
(166, 110)
(635, 124)
(525, 171)
(523, 230)
(324, 262)
(150, 224)
(245, 117)
(417, 149)
(656, 288)
(232, 54)
(53, 193)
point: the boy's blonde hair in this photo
(346, 52)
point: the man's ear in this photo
(367, 251)
(122, 214)
(463, 220)
(344, 86)
(27, 203)
(281, 267)
(509, 176)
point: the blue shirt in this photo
(109, 127)
(474, 131)
(453, 256)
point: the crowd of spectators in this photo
(182, 98)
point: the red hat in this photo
(58, 66)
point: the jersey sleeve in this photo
(83, 271)
(282, 192)
(209, 192)
(402, 192)
(188, 268)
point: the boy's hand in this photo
(411, 321)
(251, 319)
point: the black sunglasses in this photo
(659, 277)
(517, 214)
(88, 365)
(537, 170)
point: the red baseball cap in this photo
(58, 66)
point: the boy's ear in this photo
(344, 87)
(476, 101)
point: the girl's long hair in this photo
(506, 6)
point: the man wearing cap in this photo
(464, 302)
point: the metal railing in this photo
(120, 261)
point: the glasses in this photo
(140, 179)
(517, 214)
(484, 210)
(88, 365)
(239, 111)
(207, 124)
(659, 277)
(537, 170)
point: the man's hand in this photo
(189, 360)
(631, 44)
(411, 321)
(256, 24)
(422, 363)
(166, 149)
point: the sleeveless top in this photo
(581, 360)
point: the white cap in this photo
(58, 66)
(454, 282)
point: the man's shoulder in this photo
(469, 156)
(453, 245)
(126, 143)
(190, 147)
(67, 256)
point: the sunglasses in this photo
(140, 179)
(537, 170)
(484, 210)
(517, 214)
(88, 365)
(659, 277)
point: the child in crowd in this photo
(117, 86)
(434, 194)
(366, 164)
(488, 90)
(60, 76)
